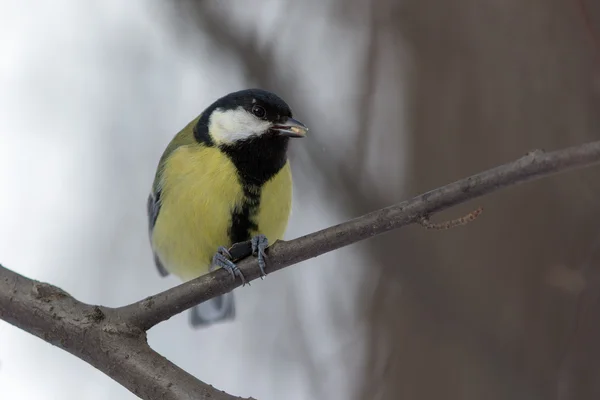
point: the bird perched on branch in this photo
(223, 179)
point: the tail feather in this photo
(219, 309)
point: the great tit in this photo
(223, 179)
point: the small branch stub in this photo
(440, 226)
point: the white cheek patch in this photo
(232, 125)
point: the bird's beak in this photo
(290, 128)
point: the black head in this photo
(247, 115)
(265, 105)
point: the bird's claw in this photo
(222, 258)
(259, 244)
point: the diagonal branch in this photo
(534, 165)
(114, 339)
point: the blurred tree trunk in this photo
(489, 311)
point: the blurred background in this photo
(401, 97)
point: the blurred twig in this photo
(367, 99)
(114, 340)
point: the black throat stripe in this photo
(243, 219)
(257, 160)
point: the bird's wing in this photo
(183, 138)
(153, 208)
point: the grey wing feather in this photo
(152, 208)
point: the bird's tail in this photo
(218, 309)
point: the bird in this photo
(224, 179)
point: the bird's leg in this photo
(222, 258)
(259, 244)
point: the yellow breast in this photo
(199, 191)
(275, 205)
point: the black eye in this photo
(259, 111)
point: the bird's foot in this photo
(222, 258)
(259, 244)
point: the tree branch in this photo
(99, 336)
(534, 165)
(114, 339)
